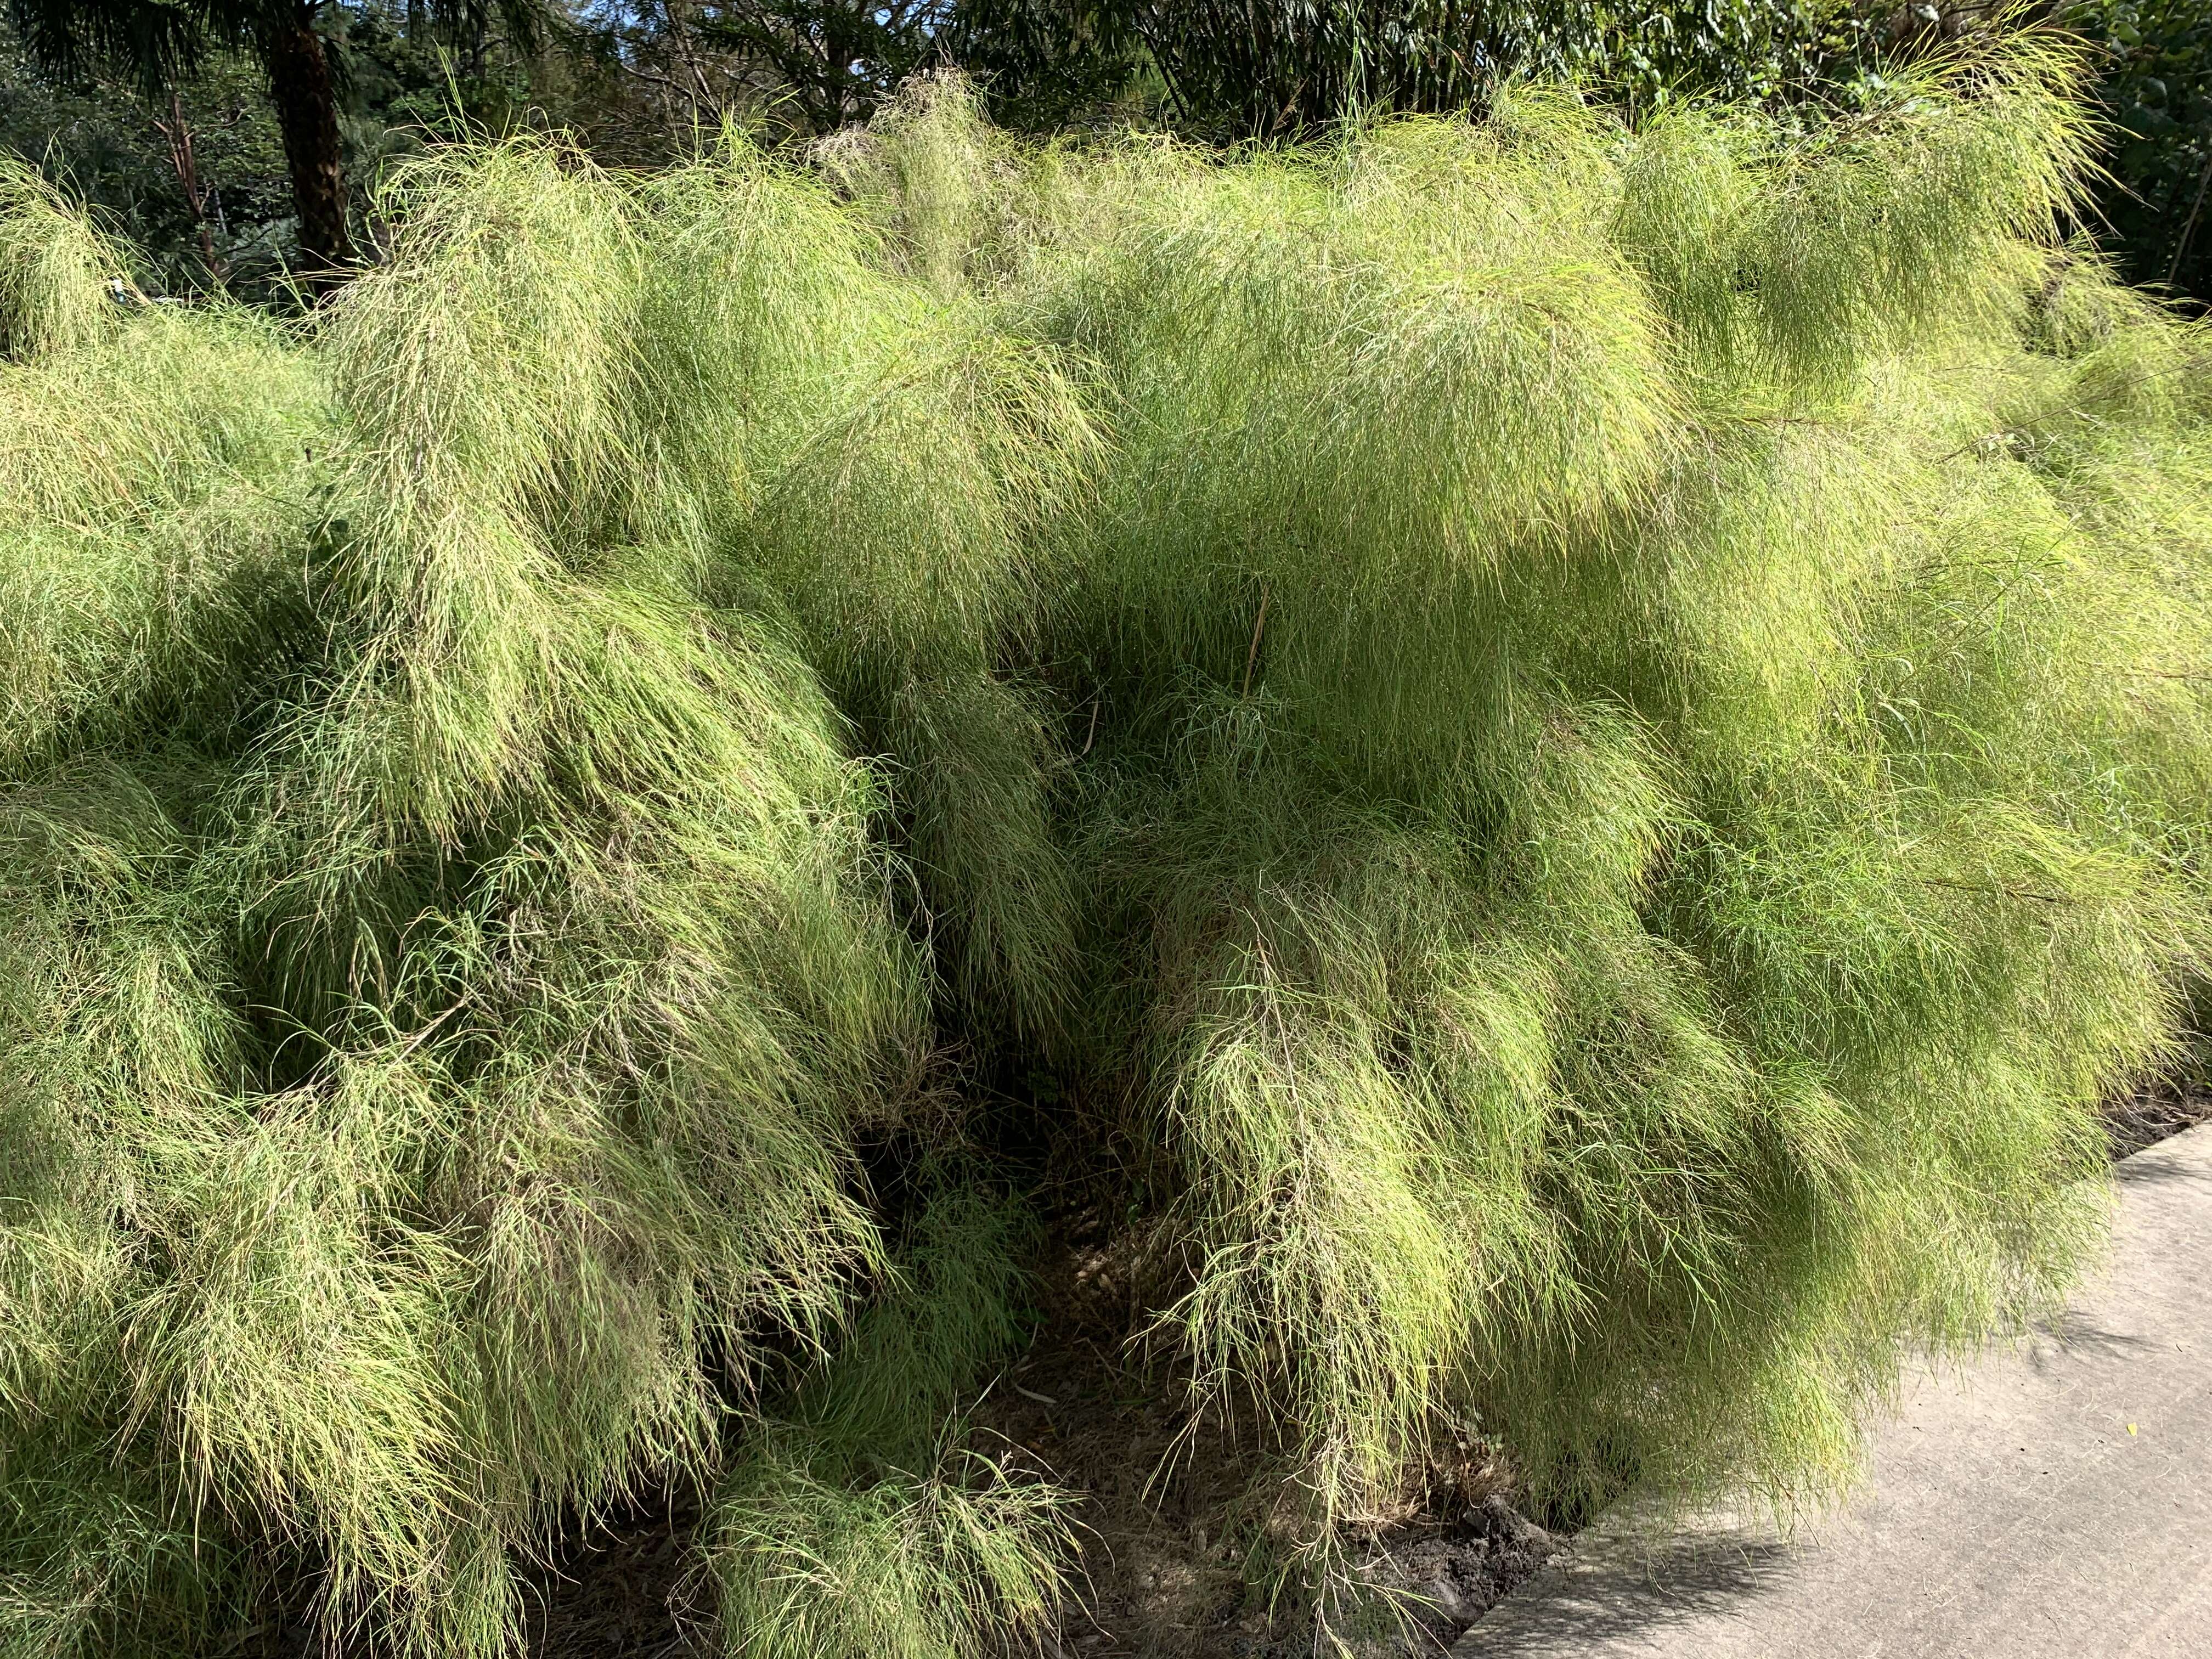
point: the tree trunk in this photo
(178, 132)
(307, 116)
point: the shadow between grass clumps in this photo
(1171, 1530)
(626, 1588)
(1164, 1578)
(1171, 1533)
(1175, 1522)
(1180, 1531)
(2153, 1113)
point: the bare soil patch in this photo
(1175, 1520)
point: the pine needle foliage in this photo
(1599, 734)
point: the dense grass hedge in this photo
(1594, 743)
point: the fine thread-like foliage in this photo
(1597, 735)
(1572, 608)
(859, 1523)
(54, 267)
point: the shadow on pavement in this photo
(1632, 1585)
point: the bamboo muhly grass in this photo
(1598, 736)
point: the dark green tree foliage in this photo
(1597, 734)
(2155, 87)
(832, 61)
(1231, 70)
(120, 155)
(156, 41)
(795, 68)
(156, 44)
(198, 179)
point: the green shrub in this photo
(1598, 736)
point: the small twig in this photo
(2150, 673)
(1259, 625)
(1998, 888)
(2173, 269)
(176, 132)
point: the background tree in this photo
(2157, 92)
(636, 82)
(155, 44)
(804, 67)
(833, 63)
(95, 132)
(1269, 68)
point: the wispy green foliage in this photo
(859, 1522)
(54, 268)
(945, 1564)
(1611, 918)
(1602, 731)
(1622, 937)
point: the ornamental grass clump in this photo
(1591, 742)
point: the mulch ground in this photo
(621, 1591)
(1175, 1522)
(1171, 1517)
(2149, 1115)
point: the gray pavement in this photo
(2053, 1499)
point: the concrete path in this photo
(2056, 1501)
